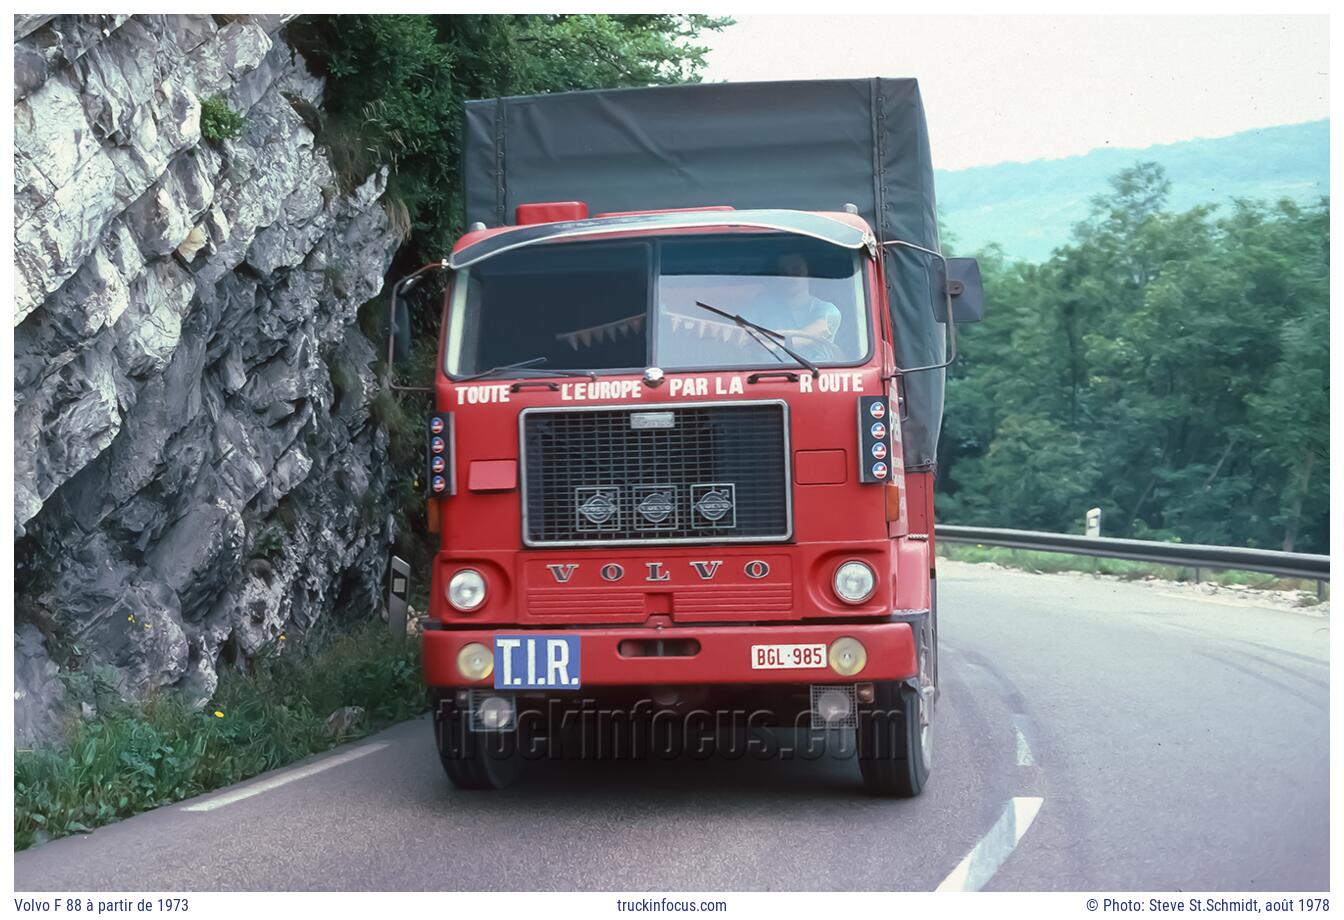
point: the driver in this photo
(788, 307)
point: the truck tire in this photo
(894, 742)
(473, 760)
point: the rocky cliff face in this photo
(195, 457)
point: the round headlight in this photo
(847, 656)
(474, 661)
(466, 589)
(854, 582)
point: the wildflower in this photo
(282, 637)
(218, 714)
(130, 618)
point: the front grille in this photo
(709, 474)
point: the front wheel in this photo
(895, 750)
(473, 759)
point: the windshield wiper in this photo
(776, 339)
(517, 365)
(530, 367)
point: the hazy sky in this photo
(1002, 88)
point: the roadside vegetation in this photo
(1037, 561)
(1171, 368)
(128, 757)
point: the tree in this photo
(1172, 368)
(396, 85)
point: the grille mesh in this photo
(719, 472)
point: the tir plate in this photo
(537, 662)
(794, 657)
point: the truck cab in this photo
(686, 410)
(670, 468)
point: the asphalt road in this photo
(1159, 738)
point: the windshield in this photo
(609, 306)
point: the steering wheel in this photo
(815, 347)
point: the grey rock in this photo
(153, 327)
(199, 553)
(31, 188)
(187, 33)
(48, 43)
(120, 76)
(345, 721)
(236, 49)
(164, 216)
(51, 132)
(73, 417)
(38, 691)
(27, 23)
(51, 245)
(188, 475)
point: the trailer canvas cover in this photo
(809, 145)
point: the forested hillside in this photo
(1030, 208)
(1170, 366)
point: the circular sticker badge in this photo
(879, 471)
(438, 483)
(880, 450)
(436, 444)
(438, 465)
(878, 409)
(878, 431)
(435, 425)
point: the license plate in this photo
(766, 657)
(533, 662)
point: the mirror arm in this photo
(947, 295)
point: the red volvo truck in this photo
(687, 401)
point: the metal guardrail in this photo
(1191, 555)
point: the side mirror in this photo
(962, 282)
(401, 328)
(399, 323)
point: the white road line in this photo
(979, 866)
(1024, 755)
(274, 782)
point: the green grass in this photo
(136, 756)
(1036, 561)
(218, 121)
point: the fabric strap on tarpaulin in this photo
(810, 145)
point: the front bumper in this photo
(724, 656)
